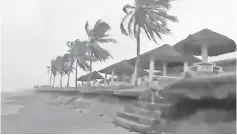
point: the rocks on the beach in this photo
(79, 110)
(72, 106)
(101, 115)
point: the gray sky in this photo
(35, 31)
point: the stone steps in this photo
(153, 107)
(131, 125)
(136, 118)
(141, 118)
(142, 112)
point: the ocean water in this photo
(34, 112)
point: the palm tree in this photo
(77, 51)
(67, 65)
(149, 15)
(68, 70)
(53, 71)
(96, 36)
(71, 59)
(48, 72)
(60, 66)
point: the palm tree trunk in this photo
(76, 74)
(138, 57)
(61, 80)
(68, 79)
(50, 79)
(54, 79)
(89, 78)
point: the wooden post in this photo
(204, 53)
(151, 70)
(164, 69)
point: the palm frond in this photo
(58, 64)
(69, 45)
(80, 48)
(122, 28)
(150, 15)
(88, 31)
(154, 3)
(161, 4)
(82, 63)
(106, 40)
(66, 58)
(136, 26)
(131, 24)
(100, 53)
(164, 15)
(144, 27)
(128, 8)
(100, 29)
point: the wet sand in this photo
(35, 115)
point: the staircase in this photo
(141, 118)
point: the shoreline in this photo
(96, 117)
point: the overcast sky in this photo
(35, 31)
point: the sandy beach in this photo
(31, 113)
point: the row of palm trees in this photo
(82, 53)
(148, 15)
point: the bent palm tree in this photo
(49, 72)
(96, 36)
(53, 70)
(71, 60)
(149, 15)
(67, 65)
(77, 51)
(60, 66)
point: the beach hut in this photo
(94, 76)
(206, 43)
(121, 69)
(161, 57)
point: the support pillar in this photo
(112, 77)
(185, 66)
(204, 53)
(132, 79)
(151, 70)
(105, 79)
(164, 69)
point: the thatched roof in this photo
(217, 43)
(94, 75)
(164, 53)
(122, 67)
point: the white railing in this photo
(206, 67)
